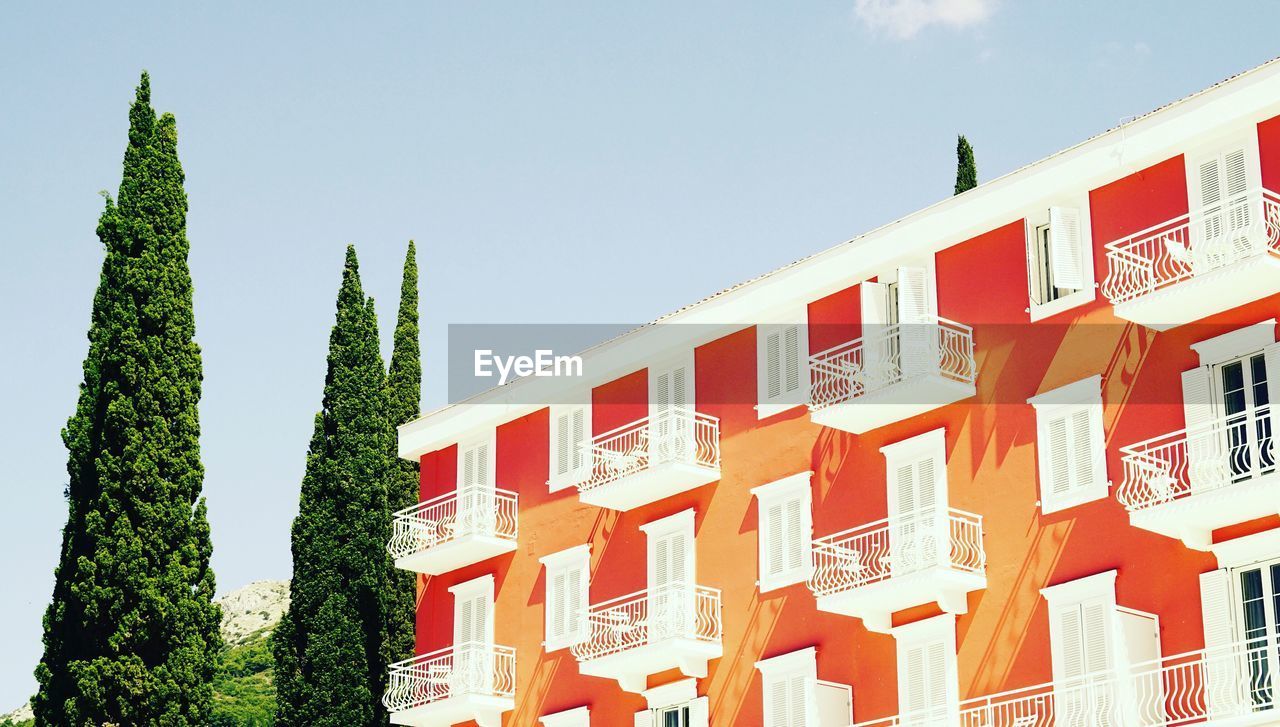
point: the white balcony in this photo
(1205, 262)
(454, 530)
(1189, 483)
(632, 637)
(1232, 685)
(890, 374)
(461, 683)
(647, 460)
(872, 571)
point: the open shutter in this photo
(1206, 452)
(1271, 362)
(700, 712)
(916, 322)
(1066, 244)
(1222, 673)
(1033, 262)
(875, 336)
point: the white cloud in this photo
(903, 19)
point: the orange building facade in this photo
(1006, 462)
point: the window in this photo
(928, 681)
(897, 342)
(1239, 607)
(1234, 388)
(671, 424)
(568, 578)
(1092, 640)
(476, 460)
(579, 717)
(785, 531)
(1070, 445)
(473, 668)
(1059, 259)
(676, 704)
(782, 363)
(788, 679)
(570, 440)
(919, 534)
(670, 573)
(1221, 190)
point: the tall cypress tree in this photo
(404, 397)
(966, 168)
(131, 636)
(328, 648)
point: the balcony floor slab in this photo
(1193, 518)
(1205, 294)
(485, 711)
(875, 603)
(649, 485)
(894, 403)
(456, 553)
(631, 668)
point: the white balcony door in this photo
(671, 413)
(1084, 687)
(472, 637)
(879, 340)
(671, 587)
(1242, 388)
(477, 505)
(917, 514)
(1259, 602)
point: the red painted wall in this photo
(1003, 641)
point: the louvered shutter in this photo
(1222, 674)
(794, 538)
(933, 540)
(1057, 456)
(464, 620)
(779, 703)
(775, 538)
(483, 475)
(935, 670)
(468, 468)
(575, 609)
(578, 441)
(1211, 199)
(791, 360)
(916, 323)
(915, 697)
(797, 700)
(1236, 184)
(773, 365)
(564, 442)
(1066, 243)
(558, 605)
(1206, 449)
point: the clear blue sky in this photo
(573, 161)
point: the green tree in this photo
(404, 397)
(131, 635)
(966, 168)
(328, 647)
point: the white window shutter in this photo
(1066, 240)
(700, 712)
(1033, 262)
(1205, 454)
(578, 441)
(644, 718)
(1222, 688)
(773, 365)
(779, 706)
(794, 536)
(791, 360)
(936, 670)
(875, 304)
(1271, 360)
(775, 538)
(798, 700)
(563, 439)
(916, 318)
(1210, 182)
(1097, 636)
(911, 672)
(576, 609)
(914, 296)
(468, 473)
(556, 606)
(1083, 463)
(1057, 453)
(483, 475)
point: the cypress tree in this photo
(131, 635)
(404, 397)
(966, 168)
(328, 647)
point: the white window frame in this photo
(1065, 402)
(767, 406)
(682, 693)
(683, 359)
(1039, 217)
(662, 527)
(1219, 146)
(561, 564)
(784, 668)
(1232, 345)
(576, 717)
(491, 438)
(927, 631)
(782, 493)
(555, 480)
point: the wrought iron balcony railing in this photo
(466, 669)
(897, 546)
(484, 511)
(671, 436)
(674, 611)
(1202, 241)
(889, 355)
(1228, 451)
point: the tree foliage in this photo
(404, 396)
(328, 648)
(966, 167)
(131, 635)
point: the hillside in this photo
(243, 693)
